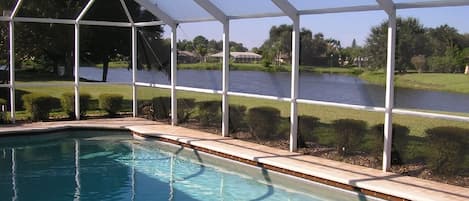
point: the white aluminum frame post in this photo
(156, 11)
(389, 7)
(225, 80)
(223, 19)
(12, 61)
(134, 71)
(389, 92)
(77, 58)
(174, 55)
(134, 53)
(77, 71)
(293, 14)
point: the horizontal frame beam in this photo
(105, 83)
(266, 97)
(213, 10)
(83, 22)
(207, 91)
(156, 11)
(388, 6)
(105, 23)
(363, 8)
(143, 84)
(44, 20)
(342, 105)
(43, 84)
(432, 4)
(147, 24)
(430, 115)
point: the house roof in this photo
(239, 55)
(186, 53)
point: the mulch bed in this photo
(417, 169)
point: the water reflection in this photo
(92, 168)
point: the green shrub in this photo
(349, 134)
(263, 122)
(399, 141)
(306, 125)
(145, 109)
(237, 114)
(266, 63)
(161, 107)
(68, 103)
(447, 147)
(111, 103)
(39, 105)
(185, 109)
(209, 113)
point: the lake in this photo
(312, 86)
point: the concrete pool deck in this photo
(367, 180)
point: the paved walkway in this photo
(342, 173)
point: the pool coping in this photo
(368, 181)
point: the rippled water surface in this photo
(86, 165)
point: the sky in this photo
(342, 26)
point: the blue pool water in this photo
(86, 165)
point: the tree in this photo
(186, 45)
(410, 41)
(200, 46)
(237, 47)
(214, 46)
(52, 45)
(47, 44)
(278, 46)
(443, 38)
(447, 49)
(451, 62)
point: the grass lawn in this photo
(449, 82)
(116, 64)
(326, 114)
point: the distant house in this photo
(185, 57)
(240, 57)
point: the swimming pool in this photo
(91, 165)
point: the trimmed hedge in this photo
(161, 107)
(68, 103)
(349, 134)
(263, 122)
(399, 141)
(237, 114)
(39, 105)
(209, 113)
(111, 103)
(306, 125)
(447, 149)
